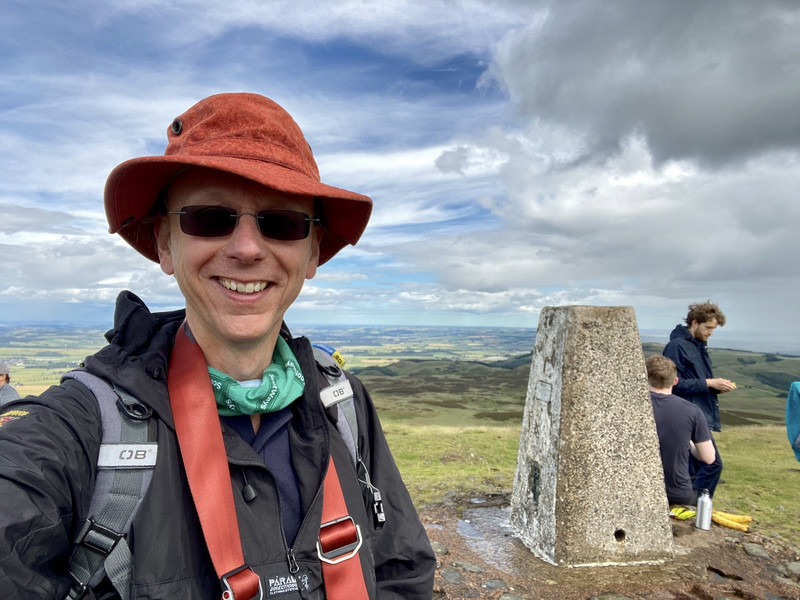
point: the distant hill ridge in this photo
(474, 390)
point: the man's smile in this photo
(244, 288)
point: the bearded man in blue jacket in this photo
(688, 349)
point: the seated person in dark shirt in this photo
(682, 429)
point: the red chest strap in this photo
(338, 544)
(200, 439)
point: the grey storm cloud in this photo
(669, 71)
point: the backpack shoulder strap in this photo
(337, 398)
(339, 402)
(128, 453)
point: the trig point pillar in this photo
(589, 487)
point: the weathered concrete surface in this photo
(588, 488)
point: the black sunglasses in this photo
(219, 221)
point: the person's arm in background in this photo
(703, 451)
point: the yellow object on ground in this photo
(731, 517)
(738, 522)
(681, 513)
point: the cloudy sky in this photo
(520, 154)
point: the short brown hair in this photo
(661, 371)
(703, 313)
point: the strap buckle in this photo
(339, 540)
(78, 590)
(98, 538)
(227, 590)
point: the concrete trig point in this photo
(589, 487)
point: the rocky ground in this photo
(480, 558)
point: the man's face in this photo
(703, 331)
(237, 287)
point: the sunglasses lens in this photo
(208, 221)
(220, 221)
(284, 225)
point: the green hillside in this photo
(762, 382)
(468, 393)
(445, 392)
(430, 376)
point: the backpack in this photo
(128, 454)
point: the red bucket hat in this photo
(244, 134)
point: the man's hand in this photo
(721, 385)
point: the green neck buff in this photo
(282, 384)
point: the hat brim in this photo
(134, 186)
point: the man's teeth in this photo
(244, 288)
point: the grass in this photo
(437, 460)
(762, 477)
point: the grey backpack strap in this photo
(124, 471)
(339, 401)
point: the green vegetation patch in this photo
(762, 477)
(439, 460)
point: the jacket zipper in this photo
(291, 558)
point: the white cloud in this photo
(519, 154)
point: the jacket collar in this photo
(137, 353)
(682, 332)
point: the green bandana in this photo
(282, 384)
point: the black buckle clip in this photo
(378, 516)
(78, 589)
(98, 538)
(131, 406)
(227, 590)
(347, 551)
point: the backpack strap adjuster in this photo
(78, 590)
(339, 540)
(227, 590)
(131, 406)
(98, 538)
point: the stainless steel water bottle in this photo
(703, 518)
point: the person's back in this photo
(678, 422)
(681, 428)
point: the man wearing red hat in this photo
(255, 489)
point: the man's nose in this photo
(246, 239)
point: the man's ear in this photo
(161, 230)
(313, 259)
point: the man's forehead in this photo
(216, 187)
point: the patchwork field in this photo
(428, 375)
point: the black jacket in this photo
(690, 356)
(48, 455)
